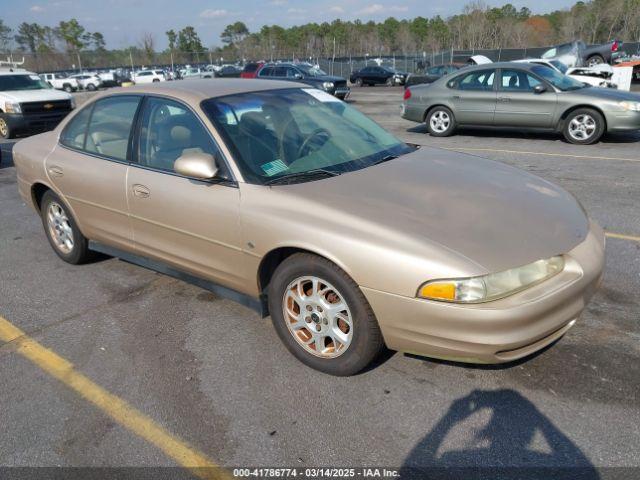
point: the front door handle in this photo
(55, 171)
(456, 97)
(140, 190)
(504, 99)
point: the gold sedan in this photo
(292, 202)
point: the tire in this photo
(56, 217)
(389, 82)
(440, 122)
(595, 60)
(6, 131)
(359, 82)
(67, 88)
(583, 126)
(91, 87)
(155, 80)
(362, 338)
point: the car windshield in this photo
(312, 71)
(278, 133)
(21, 82)
(559, 65)
(557, 79)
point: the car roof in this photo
(194, 91)
(486, 66)
(15, 71)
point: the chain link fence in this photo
(135, 59)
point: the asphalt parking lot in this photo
(162, 370)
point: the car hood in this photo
(325, 78)
(42, 95)
(496, 216)
(607, 94)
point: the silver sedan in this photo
(521, 96)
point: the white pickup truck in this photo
(29, 104)
(60, 81)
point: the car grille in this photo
(340, 83)
(55, 106)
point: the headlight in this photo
(12, 107)
(633, 106)
(327, 85)
(492, 286)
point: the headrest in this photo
(180, 136)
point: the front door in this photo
(190, 224)
(474, 97)
(519, 105)
(90, 167)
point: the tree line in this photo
(478, 26)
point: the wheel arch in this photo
(573, 108)
(38, 189)
(272, 259)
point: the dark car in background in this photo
(250, 70)
(375, 75)
(228, 71)
(433, 73)
(305, 73)
(577, 54)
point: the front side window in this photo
(518, 81)
(479, 80)
(557, 79)
(75, 132)
(169, 130)
(291, 131)
(110, 126)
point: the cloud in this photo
(336, 9)
(377, 9)
(210, 13)
(37, 9)
(296, 11)
(278, 3)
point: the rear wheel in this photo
(583, 126)
(67, 88)
(62, 231)
(91, 87)
(595, 60)
(322, 316)
(441, 122)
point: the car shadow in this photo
(489, 132)
(504, 436)
(6, 155)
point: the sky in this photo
(123, 22)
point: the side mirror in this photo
(298, 76)
(538, 89)
(196, 165)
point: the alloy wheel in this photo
(60, 228)
(582, 127)
(317, 316)
(4, 128)
(440, 121)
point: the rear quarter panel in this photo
(29, 157)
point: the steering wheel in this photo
(311, 136)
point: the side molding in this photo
(259, 305)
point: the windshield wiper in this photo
(309, 174)
(386, 158)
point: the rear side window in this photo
(280, 72)
(74, 133)
(266, 72)
(110, 126)
(479, 80)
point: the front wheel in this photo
(91, 87)
(358, 82)
(62, 231)
(583, 126)
(5, 130)
(67, 88)
(322, 316)
(389, 82)
(441, 122)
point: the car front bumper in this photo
(34, 122)
(623, 121)
(500, 331)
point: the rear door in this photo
(518, 105)
(90, 166)
(474, 97)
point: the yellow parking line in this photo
(620, 236)
(115, 407)
(546, 154)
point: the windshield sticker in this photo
(322, 96)
(272, 168)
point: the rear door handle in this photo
(140, 190)
(55, 171)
